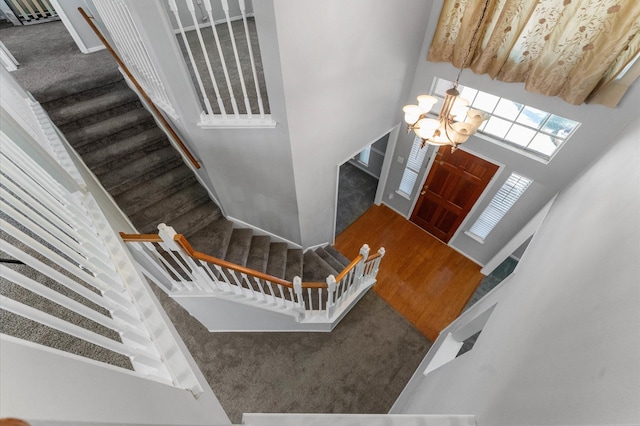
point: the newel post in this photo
(297, 288)
(331, 290)
(202, 280)
(359, 272)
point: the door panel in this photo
(453, 185)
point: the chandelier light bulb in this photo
(426, 102)
(412, 113)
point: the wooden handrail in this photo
(349, 267)
(188, 249)
(374, 256)
(140, 238)
(184, 244)
(146, 97)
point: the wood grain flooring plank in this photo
(421, 277)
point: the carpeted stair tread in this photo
(277, 262)
(213, 239)
(96, 91)
(191, 221)
(294, 264)
(155, 190)
(337, 266)
(333, 252)
(171, 207)
(238, 249)
(74, 86)
(121, 111)
(108, 127)
(125, 150)
(74, 108)
(315, 268)
(259, 253)
(115, 138)
(132, 174)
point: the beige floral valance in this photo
(574, 49)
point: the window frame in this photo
(497, 209)
(415, 150)
(521, 149)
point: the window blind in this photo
(364, 155)
(504, 199)
(414, 163)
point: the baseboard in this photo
(95, 49)
(395, 210)
(317, 246)
(260, 231)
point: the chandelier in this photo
(456, 122)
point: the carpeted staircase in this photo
(133, 159)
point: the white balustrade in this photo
(52, 225)
(32, 11)
(165, 261)
(121, 26)
(221, 75)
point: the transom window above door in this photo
(531, 130)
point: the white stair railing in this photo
(56, 231)
(168, 260)
(32, 11)
(218, 61)
(123, 30)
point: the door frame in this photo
(478, 202)
(384, 173)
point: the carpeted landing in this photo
(360, 367)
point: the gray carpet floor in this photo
(356, 192)
(489, 282)
(42, 65)
(361, 367)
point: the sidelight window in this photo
(504, 199)
(412, 169)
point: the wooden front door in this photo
(453, 185)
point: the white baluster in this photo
(243, 11)
(223, 62)
(192, 10)
(310, 299)
(259, 283)
(174, 8)
(225, 7)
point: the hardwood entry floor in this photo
(426, 281)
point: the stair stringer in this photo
(220, 313)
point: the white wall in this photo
(80, 31)
(249, 171)
(561, 346)
(346, 68)
(599, 126)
